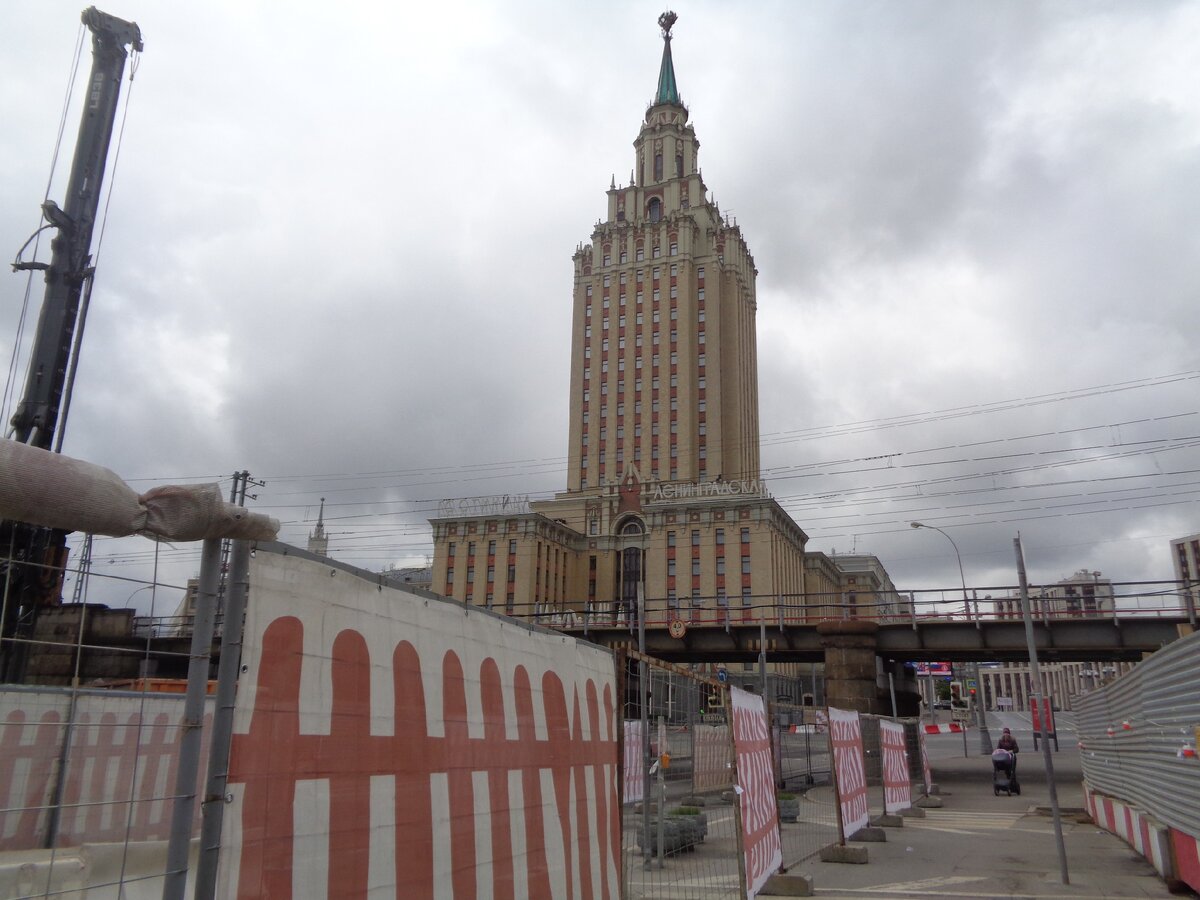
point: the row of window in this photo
(640, 274)
(718, 537)
(720, 566)
(697, 599)
(654, 432)
(640, 253)
(452, 547)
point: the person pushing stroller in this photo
(1008, 742)
(1004, 765)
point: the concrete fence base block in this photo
(841, 853)
(934, 789)
(787, 886)
(869, 835)
(888, 820)
(930, 803)
(912, 812)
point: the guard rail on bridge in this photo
(918, 626)
(921, 626)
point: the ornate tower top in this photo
(668, 90)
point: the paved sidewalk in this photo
(982, 846)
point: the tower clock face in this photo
(677, 629)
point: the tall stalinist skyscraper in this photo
(663, 481)
(663, 366)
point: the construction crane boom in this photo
(37, 415)
(33, 559)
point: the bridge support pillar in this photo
(850, 672)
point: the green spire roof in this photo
(668, 90)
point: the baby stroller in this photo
(1004, 773)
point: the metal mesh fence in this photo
(807, 806)
(679, 825)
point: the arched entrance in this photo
(631, 568)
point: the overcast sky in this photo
(338, 255)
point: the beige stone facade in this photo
(1185, 555)
(664, 504)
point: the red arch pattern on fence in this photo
(579, 749)
(120, 772)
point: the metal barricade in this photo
(683, 841)
(807, 805)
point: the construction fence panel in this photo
(115, 782)
(388, 744)
(807, 805)
(1139, 739)
(83, 767)
(873, 757)
(683, 842)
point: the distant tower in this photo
(664, 501)
(318, 541)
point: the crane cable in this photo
(14, 358)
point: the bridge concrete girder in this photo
(1060, 640)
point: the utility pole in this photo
(32, 559)
(237, 496)
(1035, 677)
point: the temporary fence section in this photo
(925, 770)
(807, 808)
(762, 853)
(685, 841)
(390, 744)
(1139, 740)
(86, 766)
(897, 780)
(849, 772)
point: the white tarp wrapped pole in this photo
(178, 845)
(56, 491)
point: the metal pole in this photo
(212, 810)
(178, 846)
(932, 698)
(892, 689)
(762, 660)
(1036, 677)
(64, 756)
(662, 794)
(644, 703)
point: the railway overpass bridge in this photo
(806, 639)
(851, 649)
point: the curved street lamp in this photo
(958, 556)
(985, 738)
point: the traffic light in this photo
(956, 695)
(971, 698)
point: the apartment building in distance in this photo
(1084, 594)
(664, 495)
(1185, 556)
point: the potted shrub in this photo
(693, 825)
(789, 806)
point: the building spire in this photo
(668, 90)
(318, 540)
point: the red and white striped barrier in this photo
(949, 728)
(1173, 853)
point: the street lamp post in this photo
(985, 738)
